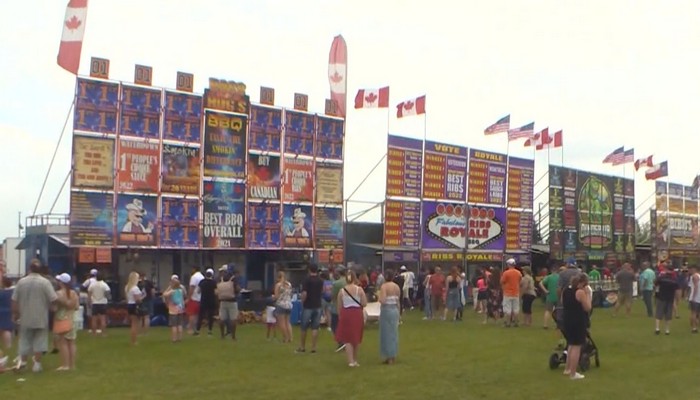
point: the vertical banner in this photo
(224, 145)
(329, 138)
(487, 177)
(297, 180)
(265, 129)
(329, 183)
(140, 112)
(93, 163)
(297, 226)
(224, 215)
(518, 231)
(595, 208)
(96, 106)
(180, 222)
(328, 227)
(404, 167)
(263, 227)
(182, 117)
(300, 129)
(263, 177)
(91, 219)
(630, 220)
(618, 215)
(180, 169)
(402, 224)
(138, 166)
(521, 182)
(445, 172)
(556, 212)
(569, 179)
(136, 220)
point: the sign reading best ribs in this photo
(451, 226)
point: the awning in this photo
(26, 241)
(62, 239)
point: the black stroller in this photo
(588, 351)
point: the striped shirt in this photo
(34, 295)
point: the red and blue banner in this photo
(179, 222)
(140, 112)
(96, 106)
(182, 117)
(300, 129)
(401, 223)
(329, 138)
(265, 129)
(264, 226)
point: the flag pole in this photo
(422, 183)
(388, 130)
(505, 200)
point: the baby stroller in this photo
(588, 350)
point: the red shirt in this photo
(437, 284)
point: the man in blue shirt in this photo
(646, 284)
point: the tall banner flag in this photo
(91, 219)
(180, 169)
(136, 220)
(96, 106)
(265, 128)
(404, 167)
(615, 155)
(263, 177)
(445, 172)
(223, 215)
(93, 163)
(224, 145)
(138, 166)
(372, 98)
(411, 107)
(643, 162)
(337, 73)
(297, 226)
(502, 125)
(487, 177)
(182, 117)
(657, 171)
(524, 131)
(72, 37)
(180, 222)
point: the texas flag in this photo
(411, 107)
(72, 37)
(657, 171)
(372, 98)
(643, 162)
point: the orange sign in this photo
(103, 255)
(138, 167)
(86, 255)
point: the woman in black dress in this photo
(577, 304)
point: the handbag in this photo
(62, 326)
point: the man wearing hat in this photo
(207, 304)
(227, 291)
(88, 305)
(510, 281)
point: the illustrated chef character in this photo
(134, 222)
(298, 229)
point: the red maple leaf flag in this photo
(337, 70)
(537, 139)
(72, 37)
(551, 142)
(644, 162)
(372, 98)
(411, 107)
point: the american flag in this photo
(615, 155)
(502, 125)
(627, 157)
(525, 131)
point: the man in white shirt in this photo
(98, 295)
(88, 307)
(195, 297)
(409, 279)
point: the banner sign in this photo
(441, 256)
(683, 232)
(96, 106)
(93, 163)
(329, 138)
(521, 182)
(446, 226)
(297, 180)
(299, 133)
(445, 172)
(404, 167)
(140, 112)
(180, 169)
(180, 222)
(328, 227)
(329, 183)
(518, 231)
(224, 145)
(136, 220)
(265, 129)
(263, 177)
(183, 117)
(91, 219)
(401, 223)
(675, 190)
(226, 96)
(264, 226)
(487, 177)
(224, 215)
(138, 166)
(297, 226)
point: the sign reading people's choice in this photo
(447, 227)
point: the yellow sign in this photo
(93, 162)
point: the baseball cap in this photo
(403, 268)
(64, 277)
(93, 272)
(223, 268)
(174, 277)
(209, 271)
(510, 261)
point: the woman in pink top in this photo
(482, 294)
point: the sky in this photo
(609, 73)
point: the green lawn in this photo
(437, 360)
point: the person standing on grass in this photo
(338, 284)
(401, 281)
(327, 295)
(420, 292)
(270, 319)
(550, 287)
(494, 303)
(625, 279)
(283, 306)
(527, 290)
(64, 329)
(666, 287)
(452, 285)
(646, 286)
(88, 307)
(693, 298)
(149, 293)
(7, 327)
(682, 280)
(207, 304)
(174, 297)
(427, 297)
(409, 279)
(227, 293)
(99, 294)
(389, 297)
(577, 303)
(31, 301)
(351, 323)
(566, 275)
(134, 296)
(437, 286)
(311, 293)
(193, 302)
(510, 281)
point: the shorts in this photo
(664, 310)
(528, 299)
(33, 341)
(228, 311)
(624, 298)
(482, 295)
(147, 305)
(51, 317)
(99, 309)
(282, 310)
(694, 307)
(550, 305)
(325, 305)
(192, 308)
(132, 309)
(511, 304)
(176, 320)
(310, 318)
(575, 335)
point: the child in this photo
(175, 297)
(270, 319)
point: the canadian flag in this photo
(411, 107)
(337, 70)
(643, 162)
(372, 98)
(542, 140)
(72, 37)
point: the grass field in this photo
(437, 360)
